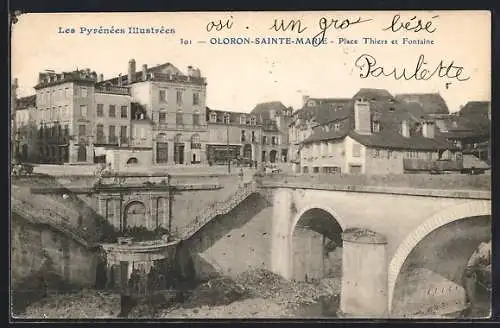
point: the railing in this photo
(413, 164)
(66, 228)
(195, 145)
(218, 208)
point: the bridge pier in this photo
(364, 275)
(280, 239)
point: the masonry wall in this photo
(34, 245)
(442, 255)
(384, 161)
(234, 243)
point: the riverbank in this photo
(253, 294)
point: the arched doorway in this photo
(134, 215)
(82, 153)
(272, 156)
(316, 246)
(132, 160)
(430, 280)
(247, 151)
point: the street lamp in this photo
(227, 150)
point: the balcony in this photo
(412, 164)
(195, 145)
(177, 78)
(113, 139)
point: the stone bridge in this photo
(399, 229)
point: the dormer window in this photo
(253, 120)
(392, 109)
(339, 108)
(227, 119)
(213, 117)
(243, 120)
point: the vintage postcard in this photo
(251, 165)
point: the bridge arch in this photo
(460, 212)
(315, 243)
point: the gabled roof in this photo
(26, 102)
(234, 116)
(264, 109)
(393, 140)
(475, 108)
(373, 94)
(432, 103)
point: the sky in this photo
(241, 76)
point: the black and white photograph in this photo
(246, 165)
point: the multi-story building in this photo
(25, 129)
(175, 105)
(233, 135)
(275, 118)
(362, 146)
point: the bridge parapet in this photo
(449, 186)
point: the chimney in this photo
(144, 72)
(362, 117)
(305, 98)
(120, 79)
(131, 70)
(405, 128)
(190, 71)
(101, 77)
(428, 129)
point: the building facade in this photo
(153, 116)
(358, 143)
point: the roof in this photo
(394, 140)
(234, 116)
(373, 94)
(26, 102)
(265, 108)
(480, 108)
(470, 161)
(432, 103)
(321, 135)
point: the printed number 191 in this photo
(183, 41)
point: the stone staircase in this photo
(57, 222)
(217, 208)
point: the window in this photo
(66, 93)
(375, 153)
(112, 134)
(253, 136)
(213, 117)
(356, 150)
(273, 141)
(264, 140)
(195, 141)
(179, 97)
(82, 130)
(83, 111)
(123, 134)
(84, 92)
(243, 137)
(196, 118)
(355, 169)
(163, 95)
(161, 152)
(243, 120)
(253, 120)
(100, 110)
(227, 119)
(389, 154)
(100, 134)
(179, 119)
(196, 98)
(112, 111)
(123, 111)
(162, 117)
(337, 126)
